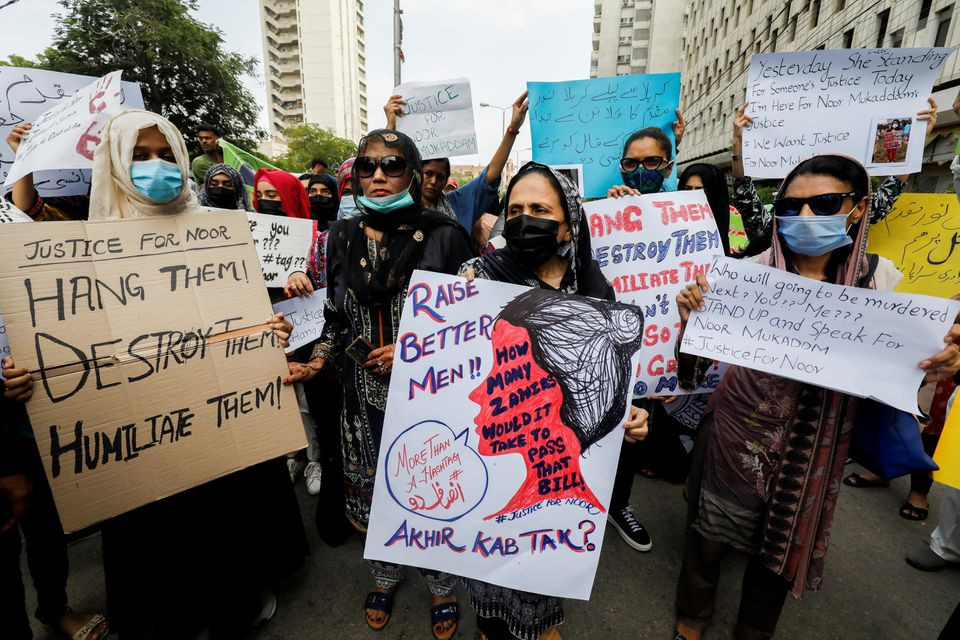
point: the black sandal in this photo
(378, 601)
(857, 481)
(441, 613)
(913, 513)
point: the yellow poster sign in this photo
(948, 450)
(920, 236)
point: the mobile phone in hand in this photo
(359, 350)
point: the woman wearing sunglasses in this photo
(739, 496)
(370, 259)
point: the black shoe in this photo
(630, 529)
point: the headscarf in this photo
(243, 200)
(323, 177)
(112, 193)
(345, 174)
(715, 188)
(404, 232)
(583, 276)
(292, 194)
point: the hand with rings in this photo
(691, 298)
(380, 360)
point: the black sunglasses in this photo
(392, 166)
(825, 204)
(628, 165)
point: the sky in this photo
(498, 44)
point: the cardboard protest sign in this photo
(438, 117)
(586, 122)
(920, 236)
(9, 213)
(283, 244)
(306, 316)
(859, 341)
(66, 135)
(502, 433)
(857, 102)
(947, 454)
(649, 248)
(24, 95)
(154, 371)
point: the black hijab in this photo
(326, 214)
(404, 231)
(715, 188)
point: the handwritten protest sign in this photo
(438, 117)
(66, 135)
(502, 433)
(306, 316)
(920, 236)
(862, 342)
(9, 213)
(283, 245)
(586, 122)
(947, 454)
(153, 370)
(858, 102)
(649, 247)
(27, 93)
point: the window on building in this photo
(793, 28)
(626, 22)
(623, 59)
(924, 13)
(883, 19)
(628, 3)
(624, 41)
(943, 26)
(643, 15)
(750, 8)
(821, 47)
(847, 39)
(814, 13)
(736, 18)
(773, 40)
(896, 38)
(841, 5)
(641, 34)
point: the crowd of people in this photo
(382, 214)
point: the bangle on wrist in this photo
(736, 156)
(513, 131)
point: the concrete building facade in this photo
(720, 36)
(315, 65)
(636, 36)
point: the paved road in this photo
(870, 592)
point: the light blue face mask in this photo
(386, 204)
(348, 209)
(814, 235)
(160, 181)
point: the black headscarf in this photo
(328, 213)
(715, 188)
(404, 230)
(583, 274)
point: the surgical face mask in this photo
(270, 207)
(644, 180)
(222, 197)
(814, 235)
(533, 240)
(386, 204)
(158, 180)
(348, 208)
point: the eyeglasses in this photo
(825, 204)
(392, 166)
(628, 165)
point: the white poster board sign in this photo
(306, 316)
(66, 135)
(284, 245)
(650, 247)
(438, 117)
(856, 102)
(858, 341)
(9, 213)
(502, 433)
(25, 94)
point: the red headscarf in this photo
(293, 195)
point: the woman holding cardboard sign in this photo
(771, 451)
(370, 259)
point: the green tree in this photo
(180, 64)
(307, 141)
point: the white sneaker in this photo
(295, 467)
(312, 475)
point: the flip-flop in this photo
(378, 601)
(857, 481)
(441, 613)
(913, 513)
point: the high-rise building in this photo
(720, 36)
(315, 65)
(635, 36)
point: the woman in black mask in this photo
(324, 201)
(223, 188)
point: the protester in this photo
(23, 194)
(318, 165)
(466, 203)
(323, 193)
(278, 193)
(370, 259)
(348, 206)
(209, 138)
(223, 188)
(739, 496)
(547, 246)
(714, 185)
(647, 160)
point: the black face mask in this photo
(533, 240)
(222, 197)
(323, 208)
(270, 207)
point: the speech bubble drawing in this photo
(434, 472)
